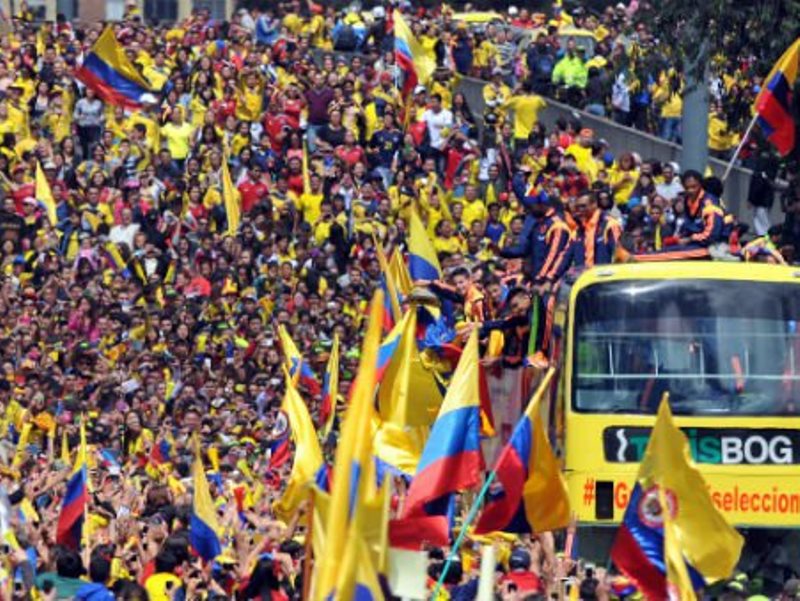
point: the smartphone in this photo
(589, 570)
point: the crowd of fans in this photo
(140, 314)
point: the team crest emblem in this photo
(650, 510)
(281, 426)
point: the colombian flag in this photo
(423, 262)
(387, 350)
(76, 498)
(307, 453)
(346, 576)
(107, 70)
(452, 459)
(330, 388)
(299, 368)
(203, 527)
(774, 102)
(391, 300)
(670, 515)
(530, 495)
(416, 62)
(161, 452)
(44, 194)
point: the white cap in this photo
(513, 11)
(148, 98)
(378, 12)
(420, 89)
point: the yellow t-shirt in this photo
(526, 113)
(178, 138)
(309, 205)
(473, 211)
(584, 160)
(622, 188)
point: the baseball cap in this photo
(419, 90)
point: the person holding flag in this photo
(74, 507)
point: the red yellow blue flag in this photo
(668, 481)
(107, 70)
(774, 102)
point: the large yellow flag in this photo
(679, 584)
(307, 453)
(45, 195)
(697, 534)
(232, 200)
(350, 483)
(709, 543)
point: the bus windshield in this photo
(717, 346)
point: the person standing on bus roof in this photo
(544, 240)
(595, 237)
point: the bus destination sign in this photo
(720, 446)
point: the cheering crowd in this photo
(151, 252)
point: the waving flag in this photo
(452, 458)
(416, 62)
(44, 194)
(335, 579)
(774, 102)
(70, 521)
(423, 262)
(391, 298)
(307, 453)
(107, 70)
(409, 394)
(279, 449)
(531, 495)
(399, 273)
(709, 546)
(232, 200)
(203, 527)
(298, 367)
(330, 388)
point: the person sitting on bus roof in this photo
(702, 228)
(764, 249)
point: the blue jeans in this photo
(671, 129)
(595, 109)
(312, 133)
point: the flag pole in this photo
(476, 505)
(473, 512)
(739, 147)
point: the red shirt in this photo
(274, 125)
(251, 193)
(351, 156)
(525, 581)
(20, 194)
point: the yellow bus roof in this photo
(688, 270)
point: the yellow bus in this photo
(722, 339)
